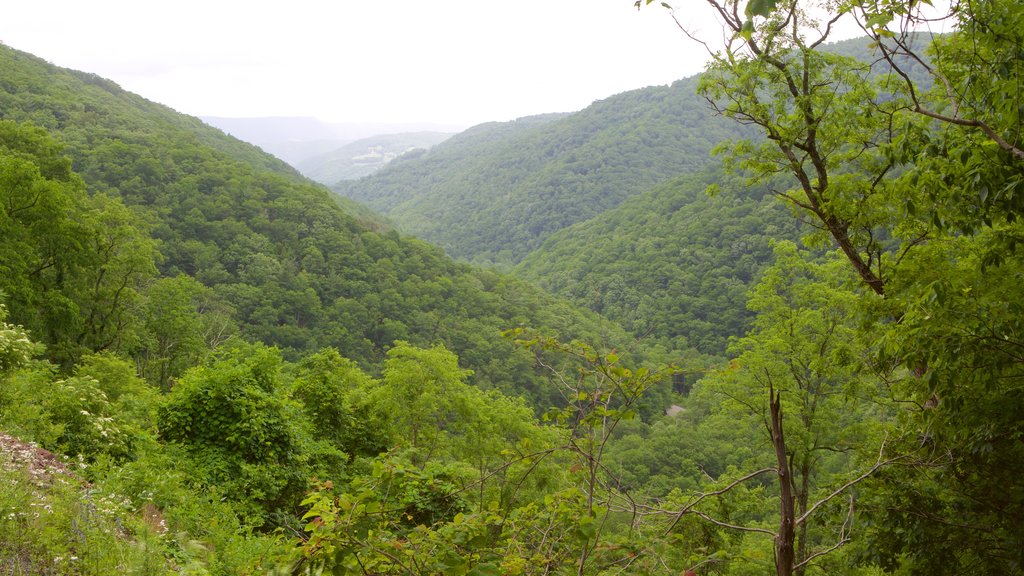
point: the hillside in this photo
(494, 193)
(211, 365)
(276, 251)
(365, 156)
(673, 265)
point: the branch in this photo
(704, 495)
(733, 526)
(844, 538)
(955, 119)
(878, 464)
(690, 35)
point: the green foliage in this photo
(199, 527)
(72, 263)
(330, 389)
(958, 333)
(232, 419)
(183, 320)
(16, 349)
(79, 416)
(920, 190)
(808, 347)
(412, 515)
(132, 399)
(422, 392)
(430, 467)
(494, 193)
(279, 257)
(433, 415)
(89, 426)
(65, 528)
(672, 265)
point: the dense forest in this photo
(673, 265)
(246, 239)
(493, 193)
(799, 356)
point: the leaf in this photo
(485, 570)
(759, 8)
(748, 30)
(878, 20)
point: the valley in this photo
(765, 319)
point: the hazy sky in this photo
(445, 61)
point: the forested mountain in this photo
(201, 341)
(494, 193)
(273, 249)
(672, 265)
(366, 155)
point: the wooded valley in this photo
(765, 320)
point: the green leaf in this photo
(759, 8)
(748, 30)
(485, 570)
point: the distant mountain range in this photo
(365, 156)
(297, 139)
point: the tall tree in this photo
(71, 263)
(921, 190)
(801, 375)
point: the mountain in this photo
(277, 251)
(672, 265)
(365, 156)
(297, 139)
(494, 193)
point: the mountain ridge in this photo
(493, 193)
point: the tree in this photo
(921, 191)
(182, 321)
(71, 263)
(236, 427)
(802, 374)
(118, 259)
(329, 388)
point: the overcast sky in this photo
(444, 61)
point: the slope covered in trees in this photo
(272, 252)
(493, 193)
(672, 265)
(868, 422)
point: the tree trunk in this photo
(784, 552)
(801, 507)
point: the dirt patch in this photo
(42, 465)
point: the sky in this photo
(458, 62)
